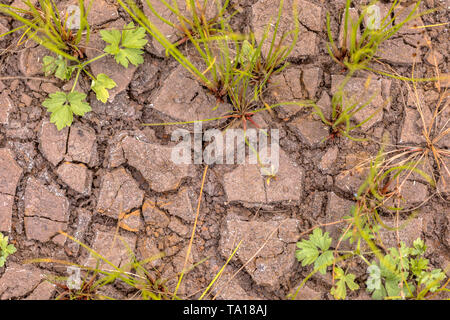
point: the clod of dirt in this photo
(6, 108)
(275, 260)
(154, 163)
(293, 84)
(409, 230)
(114, 247)
(182, 98)
(30, 60)
(132, 221)
(397, 52)
(119, 193)
(246, 183)
(264, 11)
(10, 173)
(52, 142)
(46, 211)
(311, 132)
(179, 205)
(82, 146)
(76, 176)
(154, 216)
(18, 280)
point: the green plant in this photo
(356, 53)
(5, 249)
(46, 25)
(343, 111)
(395, 272)
(410, 275)
(234, 67)
(315, 250)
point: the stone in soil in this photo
(275, 261)
(6, 207)
(132, 221)
(52, 143)
(293, 84)
(6, 107)
(310, 17)
(44, 291)
(153, 215)
(30, 60)
(179, 205)
(311, 132)
(122, 76)
(246, 182)
(82, 145)
(46, 211)
(181, 97)
(119, 193)
(155, 163)
(327, 163)
(113, 247)
(18, 280)
(10, 173)
(147, 250)
(76, 176)
(356, 92)
(396, 51)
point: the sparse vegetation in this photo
(6, 249)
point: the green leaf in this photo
(315, 250)
(247, 53)
(5, 249)
(57, 66)
(339, 291)
(431, 280)
(419, 247)
(125, 46)
(62, 106)
(100, 86)
(77, 105)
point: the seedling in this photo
(235, 70)
(356, 53)
(5, 249)
(48, 27)
(343, 110)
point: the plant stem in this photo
(76, 80)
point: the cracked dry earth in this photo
(106, 165)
